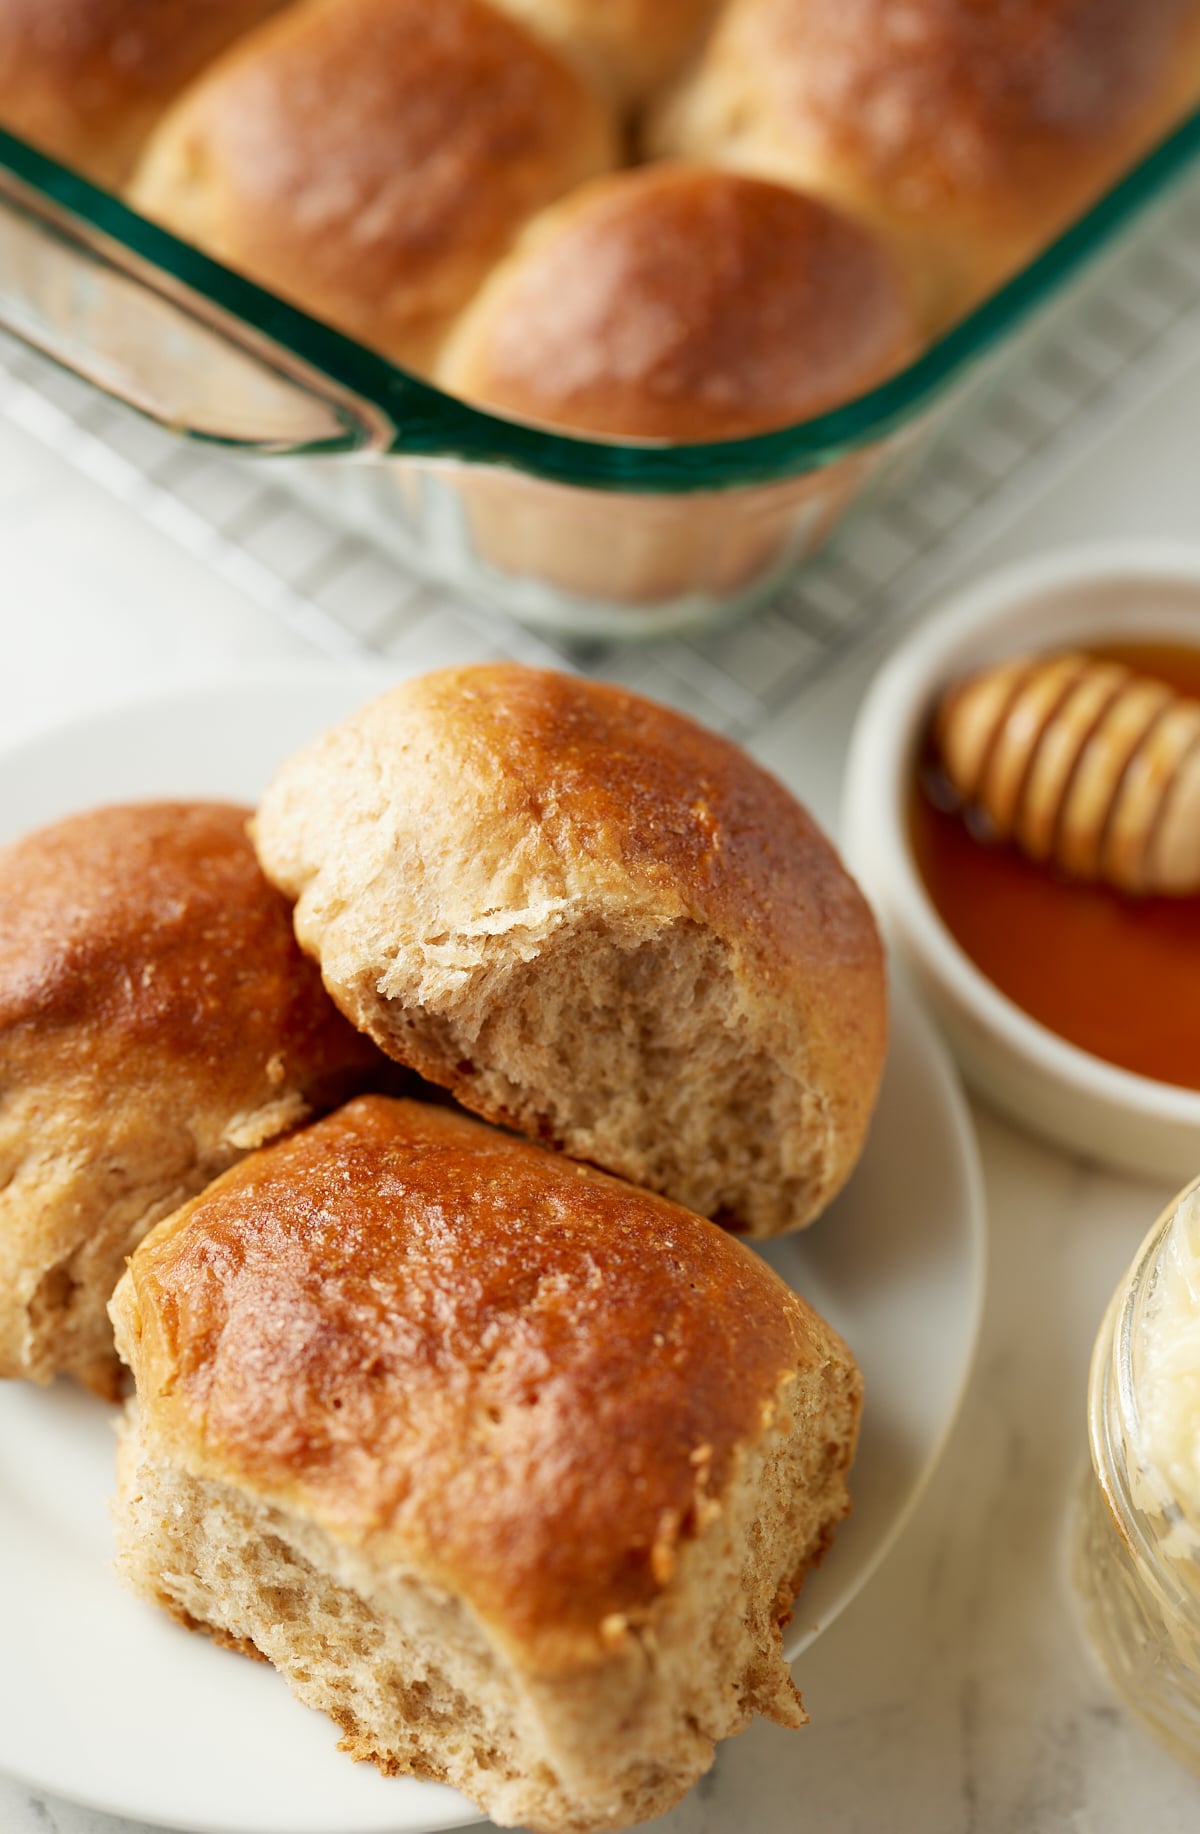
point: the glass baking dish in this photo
(587, 537)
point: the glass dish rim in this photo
(405, 416)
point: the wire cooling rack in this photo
(1129, 327)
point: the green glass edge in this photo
(431, 424)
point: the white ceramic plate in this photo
(103, 1699)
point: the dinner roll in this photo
(511, 1469)
(683, 303)
(968, 133)
(597, 923)
(86, 80)
(677, 303)
(371, 159)
(624, 46)
(157, 1020)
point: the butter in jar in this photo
(1137, 1530)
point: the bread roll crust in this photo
(371, 159)
(500, 869)
(86, 80)
(396, 1320)
(543, 1458)
(156, 1020)
(624, 46)
(685, 303)
(675, 303)
(969, 134)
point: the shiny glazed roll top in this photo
(685, 303)
(510, 1467)
(968, 131)
(371, 159)
(157, 1020)
(86, 80)
(624, 46)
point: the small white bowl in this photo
(1136, 592)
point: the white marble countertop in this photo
(954, 1696)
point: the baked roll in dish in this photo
(676, 303)
(513, 1470)
(86, 80)
(157, 1020)
(371, 159)
(594, 922)
(684, 303)
(969, 132)
(626, 47)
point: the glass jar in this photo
(1137, 1527)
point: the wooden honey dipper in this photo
(1080, 762)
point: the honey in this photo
(1117, 975)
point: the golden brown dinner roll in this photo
(968, 133)
(86, 80)
(157, 1020)
(596, 922)
(512, 1469)
(371, 159)
(680, 303)
(624, 46)
(684, 303)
